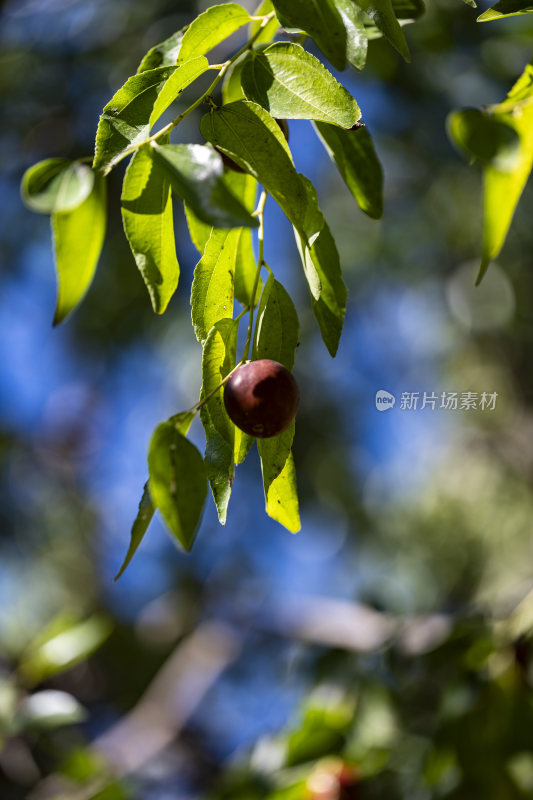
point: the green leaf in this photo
(357, 40)
(269, 30)
(199, 231)
(149, 226)
(220, 351)
(182, 423)
(212, 286)
(322, 269)
(506, 8)
(78, 239)
(164, 54)
(485, 138)
(211, 28)
(279, 479)
(412, 9)
(504, 188)
(196, 172)
(243, 444)
(178, 483)
(56, 185)
(140, 526)
(321, 20)
(290, 83)
(381, 12)
(277, 326)
(127, 119)
(353, 153)
(251, 137)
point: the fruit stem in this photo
(260, 213)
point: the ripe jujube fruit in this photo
(261, 398)
(231, 164)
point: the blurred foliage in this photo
(431, 518)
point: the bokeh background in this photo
(384, 650)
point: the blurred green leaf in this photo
(149, 226)
(412, 9)
(277, 326)
(57, 650)
(178, 483)
(290, 83)
(56, 185)
(354, 154)
(279, 479)
(195, 172)
(211, 28)
(321, 20)
(50, 709)
(78, 239)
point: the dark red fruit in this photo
(261, 398)
(231, 164)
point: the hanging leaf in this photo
(381, 12)
(321, 20)
(149, 227)
(140, 526)
(250, 136)
(127, 119)
(164, 54)
(353, 153)
(277, 326)
(484, 138)
(178, 483)
(219, 356)
(356, 38)
(321, 264)
(506, 8)
(269, 30)
(279, 479)
(211, 28)
(212, 287)
(78, 239)
(56, 185)
(290, 83)
(195, 172)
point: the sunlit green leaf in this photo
(322, 269)
(220, 351)
(290, 83)
(195, 172)
(506, 8)
(277, 326)
(56, 185)
(127, 119)
(231, 86)
(381, 12)
(78, 239)
(178, 482)
(485, 138)
(164, 54)
(211, 28)
(212, 287)
(321, 20)
(279, 479)
(251, 137)
(353, 153)
(243, 444)
(149, 226)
